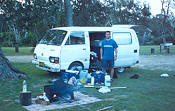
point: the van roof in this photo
(78, 28)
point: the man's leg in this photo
(111, 67)
(104, 65)
(112, 73)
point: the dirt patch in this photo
(163, 62)
(20, 59)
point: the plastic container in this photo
(45, 97)
(84, 76)
(24, 86)
(107, 80)
(92, 80)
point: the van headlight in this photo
(54, 59)
(34, 56)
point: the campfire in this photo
(58, 89)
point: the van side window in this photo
(76, 38)
(122, 38)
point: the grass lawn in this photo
(10, 51)
(146, 50)
(147, 93)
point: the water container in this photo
(84, 75)
(45, 97)
(107, 80)
(92, 80)
(24, 86)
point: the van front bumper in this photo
(52, 67)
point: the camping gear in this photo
(24, 89)
(99, 76)
(92, 80)
(107, 80)
(59, 89)
(118, 87)
(104, 89)
(135, 76)
(40, 101)
(164, 75)
(25, 98)
(84, 76)
(69, 74)
(73, 81)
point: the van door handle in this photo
(84, 48)
(135, 51)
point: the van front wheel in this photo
(76, 66)
(121, 69)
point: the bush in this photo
(7, 39)
(29, 40)
(158, 40)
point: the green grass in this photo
(147, 93)
(10, 51)
(146, 50)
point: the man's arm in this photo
(101, 53)
(115, 57)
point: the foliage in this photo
(89, 13)
(33, 16)
(29, 39)
(36, 16)
(7, 39)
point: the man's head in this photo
(108, 35)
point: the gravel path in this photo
(20, 59)
(164, 62)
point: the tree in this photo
(30, 16)
(89, 13)
(165, 12)
(12, 16)
(7, 70)
(68, 11)
(128, 12)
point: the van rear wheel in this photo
(121, 69)
(76, 66)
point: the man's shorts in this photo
(107, 64)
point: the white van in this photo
(74, 48)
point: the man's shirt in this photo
(108, 47)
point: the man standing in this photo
(107, 53)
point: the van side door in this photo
(75, 49)
(125, 48)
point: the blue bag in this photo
(67, 75)
(99, 76)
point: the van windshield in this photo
(53, 37)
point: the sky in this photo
(155, 6)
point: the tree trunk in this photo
(17, 37)
(9, 71)
(68, 9)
